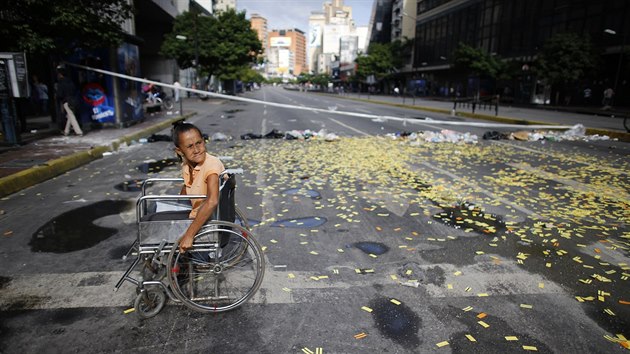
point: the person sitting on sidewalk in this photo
(67, 97)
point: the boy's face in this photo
(192, 147)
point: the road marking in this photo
(478, 188)
(349, 127)
(95, 289)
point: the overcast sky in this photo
(285, 14)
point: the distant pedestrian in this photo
(396, 91)
(608, 97)
(588, 93)
(176, 90)
(42, 96)
(67, 98)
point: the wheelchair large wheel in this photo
(210, 278)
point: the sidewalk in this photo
(596, 121)
(45, 153)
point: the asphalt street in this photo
(373, 241)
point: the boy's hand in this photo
(185, 243)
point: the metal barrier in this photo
(485, 103)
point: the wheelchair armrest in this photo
(140, 210)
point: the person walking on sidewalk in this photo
(42, 96)
(66, 95)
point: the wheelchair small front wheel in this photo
(149, 302)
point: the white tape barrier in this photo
(312, 109)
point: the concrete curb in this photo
(621, 136)
(37, 174)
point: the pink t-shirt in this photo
(197, 184)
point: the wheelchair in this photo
(223, 269)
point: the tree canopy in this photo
(379, 61)
(477, 62)
(565, 58)
(44, 26)
(223, 44)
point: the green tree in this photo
(565, 58)
(248, 74)
(477, 62)
(223, 44)
(44, 26)
(378, 62)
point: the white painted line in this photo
(349, 127)
(74, 290)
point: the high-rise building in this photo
(513, 30)
(287, 53)
(259, 24)
(219, 6)
(326, 31)
(316, 23)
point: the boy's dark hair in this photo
(180, 127)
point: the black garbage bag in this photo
(492, 135)
(250, 136)
(274, 134)
(159, 137)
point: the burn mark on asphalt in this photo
(469, 216)
(75, 230)
(375, 248)
(397, 322)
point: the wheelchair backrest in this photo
(226, 210)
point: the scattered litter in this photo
(577, 132)
(219, 137)
(8, 233)
(159, 137)
(107, 153)
(411, 283)
(443, 136)
(360, 335)
(442, 344)
(129, 310)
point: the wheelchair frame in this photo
(222, 270)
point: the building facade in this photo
(219, 6)
(329, 31)
(515, 31)
(286, 53)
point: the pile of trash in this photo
(293, 135)
(443, 136)
(576, 133)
